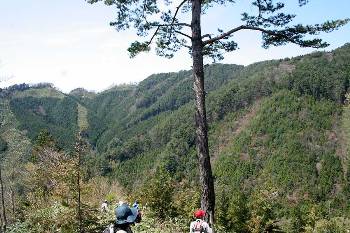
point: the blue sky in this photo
(70, 43)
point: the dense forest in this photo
(278, 135)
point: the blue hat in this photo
(124, 214)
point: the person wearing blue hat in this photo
(125, 217)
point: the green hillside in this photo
(274, 129)
(58, 116)
(278, 136)
(125, 111)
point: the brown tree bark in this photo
(206, 177)
(4, 223)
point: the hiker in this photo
(104, 206)
(125, 217)
(199, 225)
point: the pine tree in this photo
(160, 21)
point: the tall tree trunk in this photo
(4, 223)
(206, 177)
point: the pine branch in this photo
(292, 34)
(183, 34)
(244, 27)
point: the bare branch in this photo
(169, 25)
(186, 46)
(223, 35)
(177, 10)
(154, 34)
(183, 34)
(206, 35)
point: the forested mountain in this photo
(278, 134)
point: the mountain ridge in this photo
(277, 134)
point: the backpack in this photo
(198, 228)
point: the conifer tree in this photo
(163, 24)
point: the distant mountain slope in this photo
(277, 129)
(289, 146)
(107, 115)
(17, 143)
(41, 108)
(124, 110)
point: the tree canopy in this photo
(163, 24)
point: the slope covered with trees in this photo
(278, 139)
